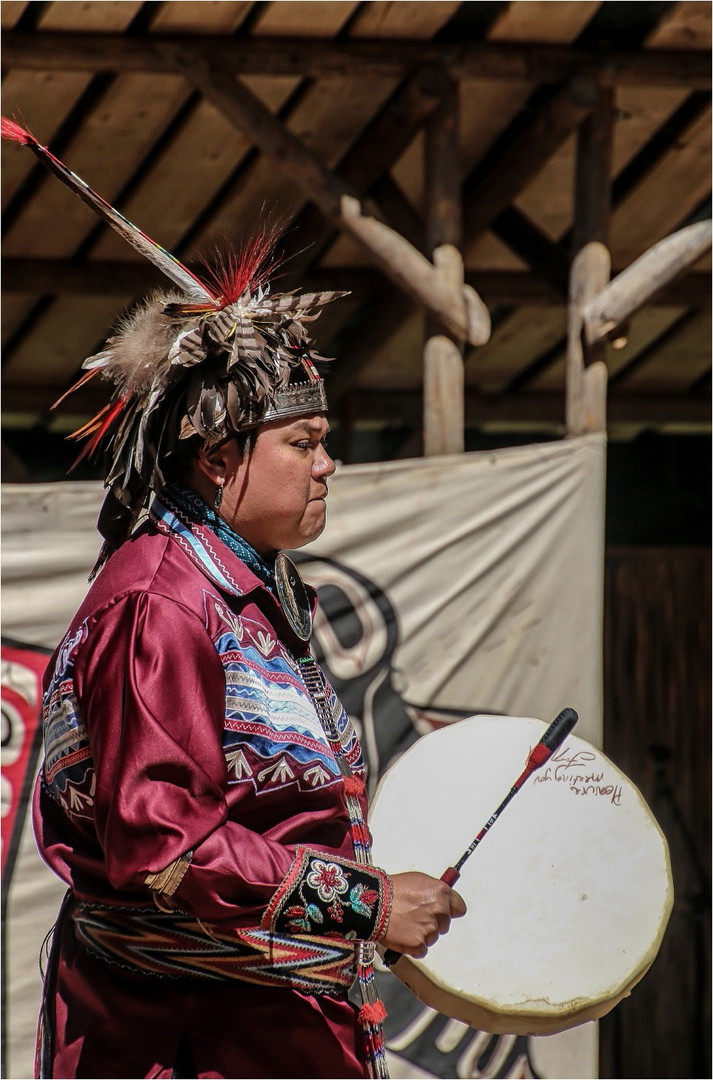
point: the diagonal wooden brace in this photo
(463, 314)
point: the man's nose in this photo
(323, 464)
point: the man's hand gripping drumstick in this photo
(422, 911)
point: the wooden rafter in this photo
(406, 406)
(118, 278)
(538, 95)
(463, 314)
(486, 196)
(50, 51)
(488, 192)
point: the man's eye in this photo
(308, 444)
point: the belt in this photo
(176, 945)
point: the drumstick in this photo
(555, 735)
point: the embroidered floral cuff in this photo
(323, 894)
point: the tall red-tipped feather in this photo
(167, 263)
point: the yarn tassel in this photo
(372, 1013)
(354, 785)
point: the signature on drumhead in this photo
(559, 771)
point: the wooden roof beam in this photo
(465, 315)
(315, 58)
(513, 288)
(406, 406)
(547, 259)
(443, 371)
(488, 192)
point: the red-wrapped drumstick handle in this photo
(555, 735)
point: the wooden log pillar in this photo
(591, 267)
(443, 374)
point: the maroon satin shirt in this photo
(175, 721)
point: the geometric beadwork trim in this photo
(327, 895)
(175, 945)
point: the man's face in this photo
(274, 496)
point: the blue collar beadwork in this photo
(189, 503)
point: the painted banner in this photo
(448, 587)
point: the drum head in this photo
(568, 893)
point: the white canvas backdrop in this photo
(492, 563)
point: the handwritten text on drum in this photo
(561, 770)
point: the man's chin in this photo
(314, 526)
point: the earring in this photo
(218, 498)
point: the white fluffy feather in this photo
(135, 358)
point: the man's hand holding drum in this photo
(422, 910)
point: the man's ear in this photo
(212, 462)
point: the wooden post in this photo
(591, 266)
(443, 375)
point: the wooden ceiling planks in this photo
(646, 215)
(259, 187)
(686, 26)
(49, 224)
(43, 99)
(199, 150)
(673, 361)
(488, 106)
(363, 100)
(10, 12)
(149, 125)
(645, 327)
(548, 199)
(525, 336)
(641, 111)
(114, 140)
(329, 116)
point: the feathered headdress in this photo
(211, 358)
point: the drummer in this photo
(202, 793)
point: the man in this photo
(202, 791)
